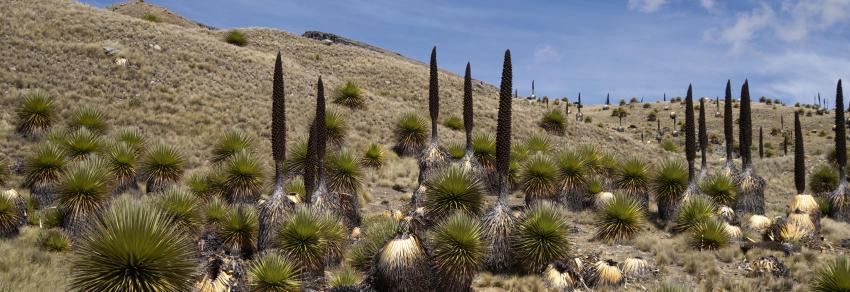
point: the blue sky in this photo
(789, 49)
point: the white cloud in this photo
(806, 16)
(746, 27)
(547, 54)
(801, 75)
(647, 6)
(707, 4)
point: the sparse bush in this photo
(151, 17)
(541, 237)
(454, 123)
(553, 121)
(823, 180)
(344, 173)
(620, 219)
(36, 114)
(128, 236)
(411, 133)
(588, 120)
(669, 146)
(236, 37)
(89, 118)
(272, 272)
(453, 190)
(54, 240)
(350, 95)
(374, 156)
(232, 142)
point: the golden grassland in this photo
(196, 86)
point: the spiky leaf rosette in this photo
(84, 192)
(215, 212)
(668, 185)
(243, 178)
(54, 240)
(503, 129)
(458, 249)
(296, 159)
(799, 156)
(632, 178)
(81, 143)
(484, 149)
(311, 238)
(43, 170)
(553, 122)
(750, 193)
(230, 144)
(350, 94)
(375, 232)
(336, 127)
(271, 272)
(690, 134)
(453, 190)
(133, 247)
(703, 139)
(122, 164)
(206, 185)
(620, 219)
(402, 265)
(374, 156)
(597, 161)
(13, 213)
(456, 150)
(833, 276)
(238, 230)
(573, 177)
(89, 118)
(133, 138)
(499, 225)
(161, 167)
(541, 237)
(344, 173)
(692, 213)
(182, 207)
(728, 124)
(708, 235)
(538, 143)
(539, 179)
(720, 188)
(35, 114)
(411, 133)
(468, 119)
(433, 95)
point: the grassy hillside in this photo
(183, 85)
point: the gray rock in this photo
(110, 51)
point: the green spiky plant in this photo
(36, 114)
(351, 95)
(632, 178)
(82, 143)
(13, 213)
(344, 173)
(161, 167)
(311, 238)
(553, 122)
(454, 123)
(839, 200)
(54, 240)
(750, 185)
(703, 141)
(344, 279)
(411, 134)
(181, 207)
(573, 177)
(484, 149)
(206, 185)
(541, 237)
(538, 143)
(620, 219)
(833, 276)
(43, 171)
(295, 186)
(596, 161)
(539, 179)
(668, 185)
(336, 128)
(231, 143)
(239, 229)
(89, 118)
(728, 134)
(5, 172)
(133, 138)
(456, 150)
(453, 190)
(402, 265)
(243, 178)
(273, 272)
(375, 232)
(823, 180)
(126, 237)
(708, 235)
(498, 221)
(84, 192)
(374, 156)
(122, 164)
(693, 212)
(294, 161)
(720, 188)
(458, 249)
(215, 212)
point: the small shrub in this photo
(669, 146)
(708, 235)
(692, 213)
(823, 179)
(373, 156)
(151, 17)
(54, 240)
(553, 121)
(456, 150)
(538, 143)
(350, 95)
(454, 123)
(236, 37)
(721, 189)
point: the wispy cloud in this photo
(707, 4)
(746, 27)
(547, 54)
(647, 6)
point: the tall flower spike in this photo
(728, 133)
(503, 129)
(468, 122)
(321, 131)
(703, 138)
(278, 124)
(310, 163)
(746, 131)
(799, 156)
(761, 143)
(690, 133)
(840, 132)
(434, 95)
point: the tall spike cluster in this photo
(728, 133)
(761, 142)
(799, 156)
(840, 132)
(690, 135)
(746, 131)
(321, 132)
(278, 124)
(703, 138)
(468, 122)
(434, 95)
(503, 129)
